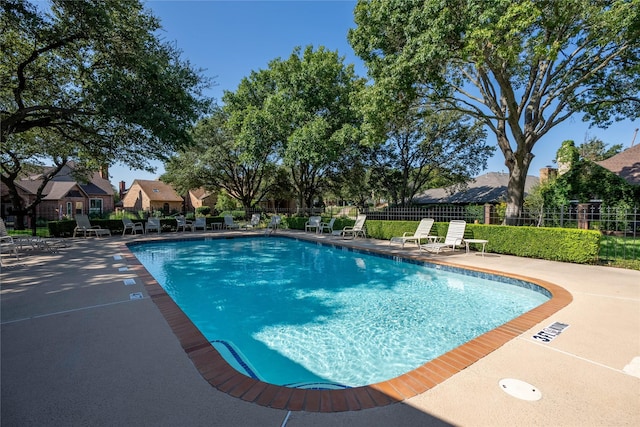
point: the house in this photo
(150, 196)
(64, 195)
(200, 197)
(625, 164)
(489, 188)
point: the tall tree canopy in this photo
(521, 67)
(90, 81)
(304, 107)
(415, 147)
(221, 159)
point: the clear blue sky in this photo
(229, 39)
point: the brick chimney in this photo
(104, 172)
(122, 189)
(548, 174)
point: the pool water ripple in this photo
(302, 313)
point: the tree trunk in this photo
(515, 191)
(17, 208)
(34, 225)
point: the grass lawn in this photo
(620, 251)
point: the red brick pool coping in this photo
(214, 368)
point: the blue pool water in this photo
(301, 314)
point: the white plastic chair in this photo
(313, 224)
(422, 232)
(133, 226)
(453, 239)
(328, 226)
(200, 222)
(183, 223)
(229, 224)
(153, 224)
(356, 230)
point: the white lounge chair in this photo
(153, 224)
(200, 222)
(6, 241)
(421, 233)
(313, 224)
(84, 225)
(183, 223)
(133, 226)
(255, 221)
(327, 226)
(453, 239)
(273, 225)
(354, 231)
(229, 224)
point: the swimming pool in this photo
(300, 314)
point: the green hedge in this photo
(557, 244)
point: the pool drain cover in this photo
(520, 389)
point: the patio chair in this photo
(354, 231)
(183, 223)
(313, 224)
(229, 224)
(273, 225)
(255, 221)
(133, 226)
(200, 222)
(84, 225)
(453, 239)
(327, 226)
(422, 232)
(153, 224)
(6, 241)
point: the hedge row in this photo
(556, 244)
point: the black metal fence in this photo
(585, 216)
(620, 227)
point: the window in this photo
(69, 210)
(95, 206)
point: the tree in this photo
(520, 67)
(595, 150)
(239, 164)
(306, 107)
(581, 179)
(415, 145)
(89, 81)
(351, 178)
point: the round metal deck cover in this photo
(520, 389)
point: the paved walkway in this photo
(76, 350)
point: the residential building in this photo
(490, 188)
(200, 197)
(625, 164)
(150, 196)
(63, 196)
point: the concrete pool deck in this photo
(76, 350)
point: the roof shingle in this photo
(488, 188)
(625, 164)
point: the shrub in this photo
(557, 244)
(203, 211)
